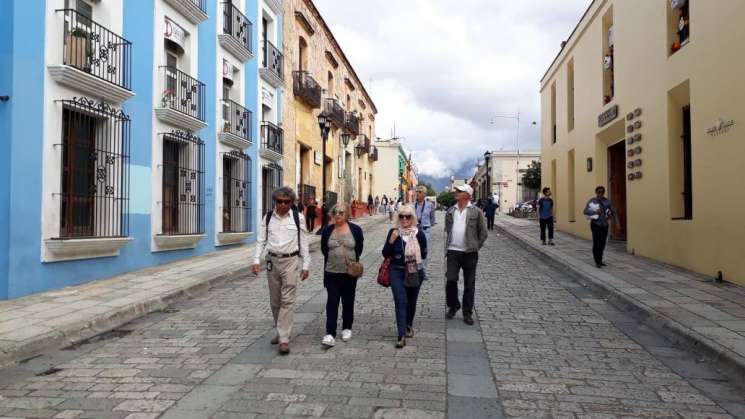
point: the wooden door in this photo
(617, 187)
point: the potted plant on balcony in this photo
(78, 48)
(169, 95)
(226, 127)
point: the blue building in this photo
(127, 134)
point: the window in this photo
(183, 184)
(330, 85)
(171, 63)
(570, 95)
(94, 195)
(571, 186)
(609, 88)
(687, 164)
(236, 189)
(226, 85)
(678, 22)
(553, 113)
(681, 152)
(302, 54)
(271, 179)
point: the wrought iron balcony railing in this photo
(374, 154)
(352, 123)
(183, 93)
(236, 119)
(305, 88)
(92, 48)
(273, 59)
(237, 25)
(364, 145)
(335, 112)
(272, 137)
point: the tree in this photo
(532, 176)
(430, 190)
(446, 199)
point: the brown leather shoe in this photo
(284, 348)
(275, 340)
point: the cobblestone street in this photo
(543, 346)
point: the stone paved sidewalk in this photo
(691, 306)
(48, 320)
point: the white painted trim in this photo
(224, 239)
(190, 10)
(179, 119)
(57, 250)
(93, 86)
(270, 154)
(187, 241)
(271, 78)
(232, 140)
(233, 46)
(275, 5)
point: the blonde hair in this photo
(340, 205)
(408, 209)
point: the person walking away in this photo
(490, 209)
(599, 210)
(425, 215)
(341, 243)
(546, 216)
(376, 205)
(391, 209)
(465, 234)
(370, 203)
(406, 245)
(283, 236)
(310, 216)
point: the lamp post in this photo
(517, 145)
(487, 157)
(325, 124)
(345, 142)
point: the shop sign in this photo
(722, 127)
(175, 33)
(607, 116)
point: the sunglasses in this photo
(283, 201)
(338, 212)
(404, 216)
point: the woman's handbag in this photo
(355, 269)
(384, 273)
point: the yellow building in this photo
(323, 80)
(647, 99)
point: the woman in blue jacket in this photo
(406, 245)
(341, 243)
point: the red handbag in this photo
(384, 273)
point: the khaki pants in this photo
(283, 279)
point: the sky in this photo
(440, 70)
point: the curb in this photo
(81, 331)
(733, 363)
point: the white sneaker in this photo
(328, 341)
(346, 334)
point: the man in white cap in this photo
(465, 232)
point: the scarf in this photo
(411, 244)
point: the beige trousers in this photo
(283, 279)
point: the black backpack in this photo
(295, 216)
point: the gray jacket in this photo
(475, 228)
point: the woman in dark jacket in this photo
(341, 243)
(407, 248)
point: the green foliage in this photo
(532, 177)
(446, 199)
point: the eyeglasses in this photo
(338, 212)
(283, 201)
(404, 216)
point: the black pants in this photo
(339, 287)
(455, 262)
(547, 223)
(490, 222)
(599, 238)
(310, 222)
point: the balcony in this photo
(352, 123)
(335, 112)
(194, 10)
(236, 128)
(306, 89)
(374, 154)
(236, 36)
(272, 141)
(95, 60)
(363, 146)
(182, 103)
(272, 65)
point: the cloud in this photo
(439, 70)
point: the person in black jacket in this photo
(341, 243)
(407, 248)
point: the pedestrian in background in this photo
(465, 234)
(546, 216)
(341, 243)
(425, 215)
(370, 204)
(600, 210)
(391, 209)
(490, 210)
(310, 215)
(376, 205)
(406, 245)
(283, 236)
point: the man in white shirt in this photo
(465, 232)
(284, 237)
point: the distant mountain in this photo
(466, 170)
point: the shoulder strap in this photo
(296, 217)
(268, 219)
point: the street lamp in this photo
(345, 139)
(325, 124)
(517, 144)
(487, 157)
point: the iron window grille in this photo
(307, 192)
(272, 175)
(183, 93)
(273, 59)
(272, 137)
(94, 49)
(183, 184)
(94, 181)
(236, 119)
(236, 190)
(237, 25)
